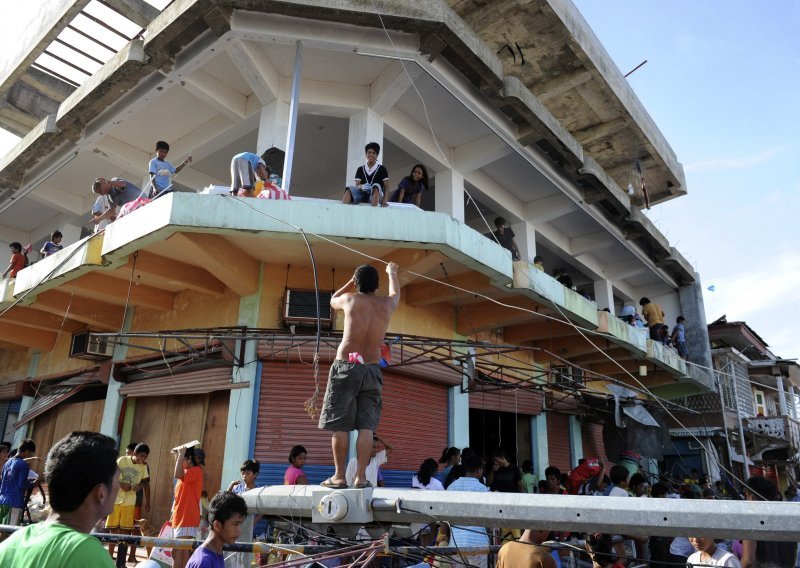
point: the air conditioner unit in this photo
(301, 308)
(89, 346)
(566, 375)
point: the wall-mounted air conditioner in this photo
(89, 346)
(301, 308)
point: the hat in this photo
(627, 311)
(200, 456)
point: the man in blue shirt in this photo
(14, 482)
(244, 169)
(160, 169)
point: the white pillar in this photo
(781, 396)
(575, 440)
(449, 196)
(540, 450)
(458, 419)
(273, 125)
(113, 406)
(792, 402)
(365, 126)
(70, 233)
(604, 295)
(525, 236)
(241, 401)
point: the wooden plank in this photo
(41, 432)
(92, 415)
(214, 440)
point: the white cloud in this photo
(740, 163)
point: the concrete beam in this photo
(100, 315)
(256, 68)
(139, 12)
(541, 330)
(591, 242)
(391, 85)
(488, 315)
(624, 269)
(211, 90)
(591, 134)
(36, 319)
(562, 84)
(229, 265)
(427, 293)
(27, 336)
(186, 275)
(549, 208)
(480, 152)
(115, 291)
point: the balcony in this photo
(783, 428)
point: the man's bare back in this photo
(366, 318)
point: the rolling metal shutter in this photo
(201, 381)
(514, 401)
(558, 441)
(592, 437)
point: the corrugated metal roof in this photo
(55, 396)
(201, 381)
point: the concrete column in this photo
(792, 402)
(458, 418)
(604, 295)
(525, 236)
(449, 197)
(365, 126)
(22, 432)
(273, 125)
(242, 400)
(539, 449)
(693, 309)
(784, 408)
(113, 405)
(575, 440)
(71, 233)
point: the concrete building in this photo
(200, 308)
(753, 412)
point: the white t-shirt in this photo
(618, 492)
(372, 469)
(719, 558)
(433, 485)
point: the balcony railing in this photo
(781, 427)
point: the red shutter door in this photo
(592, 437)
(515, 401)
(414, 420)
(558, 441)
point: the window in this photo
(760, 402)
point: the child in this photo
(679, 337)
(708, 554)
(160, 168)
(294, 473)
(249, 471)
(18, 261)
(528, 477)
(53, 245)
(371, 180)
(226, 512)
(619, 477)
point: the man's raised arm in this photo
(337, 302)
(394, 285)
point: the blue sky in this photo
(722, 82)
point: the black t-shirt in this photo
(506, 240)
(506, 479)
(379, 176)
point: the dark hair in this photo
(27, 445)
(659, 490)
(527, 466)
(141, 449)
(762, 489)
(76, 464)
(499, 453)
(6, 445)
(189, 454)
(251, 465)
(366, 279)
(131, 447)
(427, 470)
(499, 221)
(637, 479)
(618, 474)
(472, 464)
(537, 258)
(708, 492)
(552, 470)
(224, 505)
(467, 452)
(56, 235)
(161, 145)
(448, 454)
(423, 180)
(373, 146)
(16, 247)
(644, 301)
(296, 451)
(681, 319)
(601, 543)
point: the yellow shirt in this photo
(131, 473)
(653, 313)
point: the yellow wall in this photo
(13, 365)
(58, 360)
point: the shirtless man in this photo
(353, 396)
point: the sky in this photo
(721, 82)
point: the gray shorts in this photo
(352, 397)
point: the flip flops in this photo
(362, 485)
(330, 484)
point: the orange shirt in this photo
(17, 264)
(186, 510)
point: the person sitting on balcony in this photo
(505, 236)
(654, 315)
(245, 168)
(119, 192)
(410, 188)
(370, 182)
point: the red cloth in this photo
(133, 206)
(186, 510)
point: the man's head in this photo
(790, 493)
(644, 301)
(538, 260)
(226, 513)
(15, 247)
(703, 544)
(81, 470)
(27, 448)
(366, 279)
(553, 477)
(5, 448)
(56, 237)
(140, 453)
(372, 150)
(262, 170)
(499, 222)
(681, 319)
(101, 186)
(638, 484)
(249, 471)
(162, 149)
(659, 490)
(499, 458)
(130, 448)
(619, 475)
(473, 466)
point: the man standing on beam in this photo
(353, 395)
